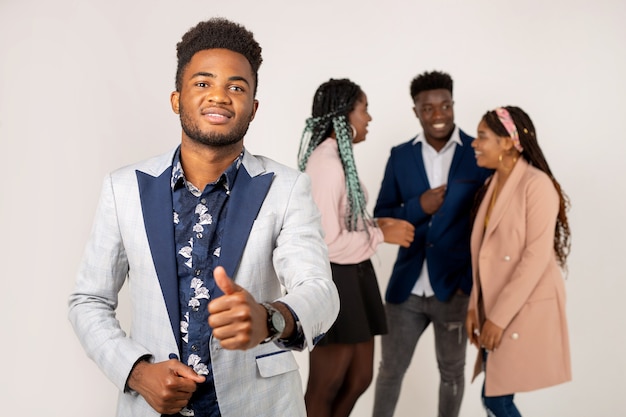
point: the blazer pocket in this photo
(276, 363)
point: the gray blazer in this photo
(273, 247)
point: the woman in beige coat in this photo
(520, 241)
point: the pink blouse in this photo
(328, 185)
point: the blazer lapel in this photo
(504, 199)
(419, 162)
(155, 194)
(246, 199)
(459, 154)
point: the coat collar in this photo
(503, 200)
(463, 147)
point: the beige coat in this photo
(523, 292)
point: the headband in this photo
(509, 125)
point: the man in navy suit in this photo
(430, 181)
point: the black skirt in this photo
(361, 312)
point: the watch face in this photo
(278, 321)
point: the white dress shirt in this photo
(437, 166)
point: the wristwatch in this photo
(275, 323)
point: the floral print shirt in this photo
(198, 226)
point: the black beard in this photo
(213, 139)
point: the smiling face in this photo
(216, 100)
(435, 111)
(360, 118)
(488, 147)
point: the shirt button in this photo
(198, 272)
(203, 201)
(199, 235)
(194, 348)
(507, 258)
(194, 308)
(515, 336)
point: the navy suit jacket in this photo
(442, 238)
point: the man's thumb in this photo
(224, 282)
(184, 371)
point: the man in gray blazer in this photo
(222, 251)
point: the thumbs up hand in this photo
(238, 321)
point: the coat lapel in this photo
(504, 199)
(157, 207)
(459, 154)
(419, 162)
(155, 193)
(246, 199)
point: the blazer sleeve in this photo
(542, 205)
(93, 302)
(301, 262)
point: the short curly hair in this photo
(434, 80)
(218, 33)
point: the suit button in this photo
(507, 258)
(515, 336)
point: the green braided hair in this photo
(332, 103)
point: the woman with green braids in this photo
(341, 365)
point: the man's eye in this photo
(236, 88)
(201, 84)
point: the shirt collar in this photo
(227, 178)
(454, 138)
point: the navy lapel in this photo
(419, 162)
(157, 207)
(459, 154)
(246, 199)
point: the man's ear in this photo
(254, 109)
(175, 101)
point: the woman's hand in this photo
(471, 326)
(490, 336)
(396, 231)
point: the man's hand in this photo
(166, 386)
(397, 231)
(238, 321)
(432, 199)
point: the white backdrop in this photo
(84, 89)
